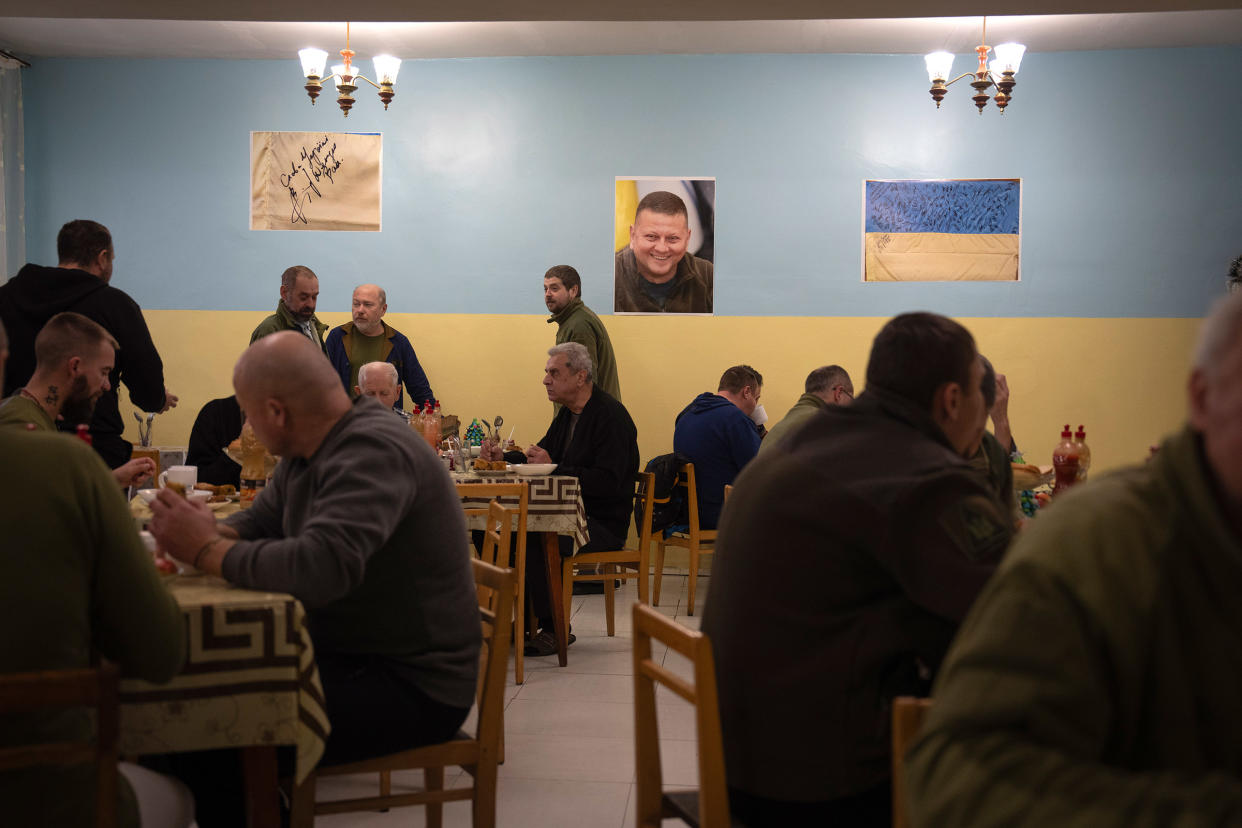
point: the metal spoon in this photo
(499, 420)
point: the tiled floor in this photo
(569, 732)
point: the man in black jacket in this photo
(593, 439)
(847, 558)
(80, 283)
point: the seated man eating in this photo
(377, 559)
(593, 439)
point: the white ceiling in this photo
(34, 38)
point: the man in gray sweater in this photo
(362, 524)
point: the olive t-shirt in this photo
(363, 349)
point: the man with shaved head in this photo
(368, 338)
(378, 560)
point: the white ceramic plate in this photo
(534, 469)
(148, 494)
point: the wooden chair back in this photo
(479, 755)
(616, 564)
(709, 806)
(908, 715)
(62, 690)
(695, 540)
(496, 535)
(517, 494)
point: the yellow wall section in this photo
(1123, 378)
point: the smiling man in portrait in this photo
(654, 272)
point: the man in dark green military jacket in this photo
(1097, 680)
(847, 556)
(575, 322)
(299, 292)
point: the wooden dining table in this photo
(554, 508)
(249, 682)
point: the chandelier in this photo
(346, 76)
(999, 73)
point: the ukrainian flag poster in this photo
(942, 230)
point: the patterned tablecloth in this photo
(249, 679)
(555, 503)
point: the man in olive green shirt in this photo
(826, 386)
(74, 578)
(1096, 681)
(299, 292)
(575, 322)
(75, 357)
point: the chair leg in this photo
(484, 802)
(659, 574)
(433, 780)
(385, 783)
(610, 597)
(302, 804)
(694, 578)
(519, 623)
(567, 588)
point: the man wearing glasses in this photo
(825, 387)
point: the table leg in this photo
(552, 566)
(259, 772)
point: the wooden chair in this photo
(62, 690)
(478, 756)
(908, 716)
(521, 493)
(616, 564)
(708, 807)
(696, 541)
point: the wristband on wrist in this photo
(199, 556)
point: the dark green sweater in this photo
(1096, 681)
(74, 577)
(578, 323)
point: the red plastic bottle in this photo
(1065, 461)
(1084, 453)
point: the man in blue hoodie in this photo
(715, 431)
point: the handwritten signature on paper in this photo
(315, 166)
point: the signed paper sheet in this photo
(315, 181)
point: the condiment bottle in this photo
(431, 426)
(83, 432)
(1065, 461)
(1084, 453)
(253, 466)
(416, 419)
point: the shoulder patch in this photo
(980, 531)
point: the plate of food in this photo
(534, 469)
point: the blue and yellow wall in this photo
(495, 169)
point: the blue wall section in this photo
(496, 169)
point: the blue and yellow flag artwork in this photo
(942, 231)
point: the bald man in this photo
(370, 339)
(378, 560)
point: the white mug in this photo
(187, 476)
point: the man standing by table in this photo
(575, 322)
(593, 439)
(368, 338)
(81, 282)
(377, 559)
(845, 561)
(299, 292)
(75, 358)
